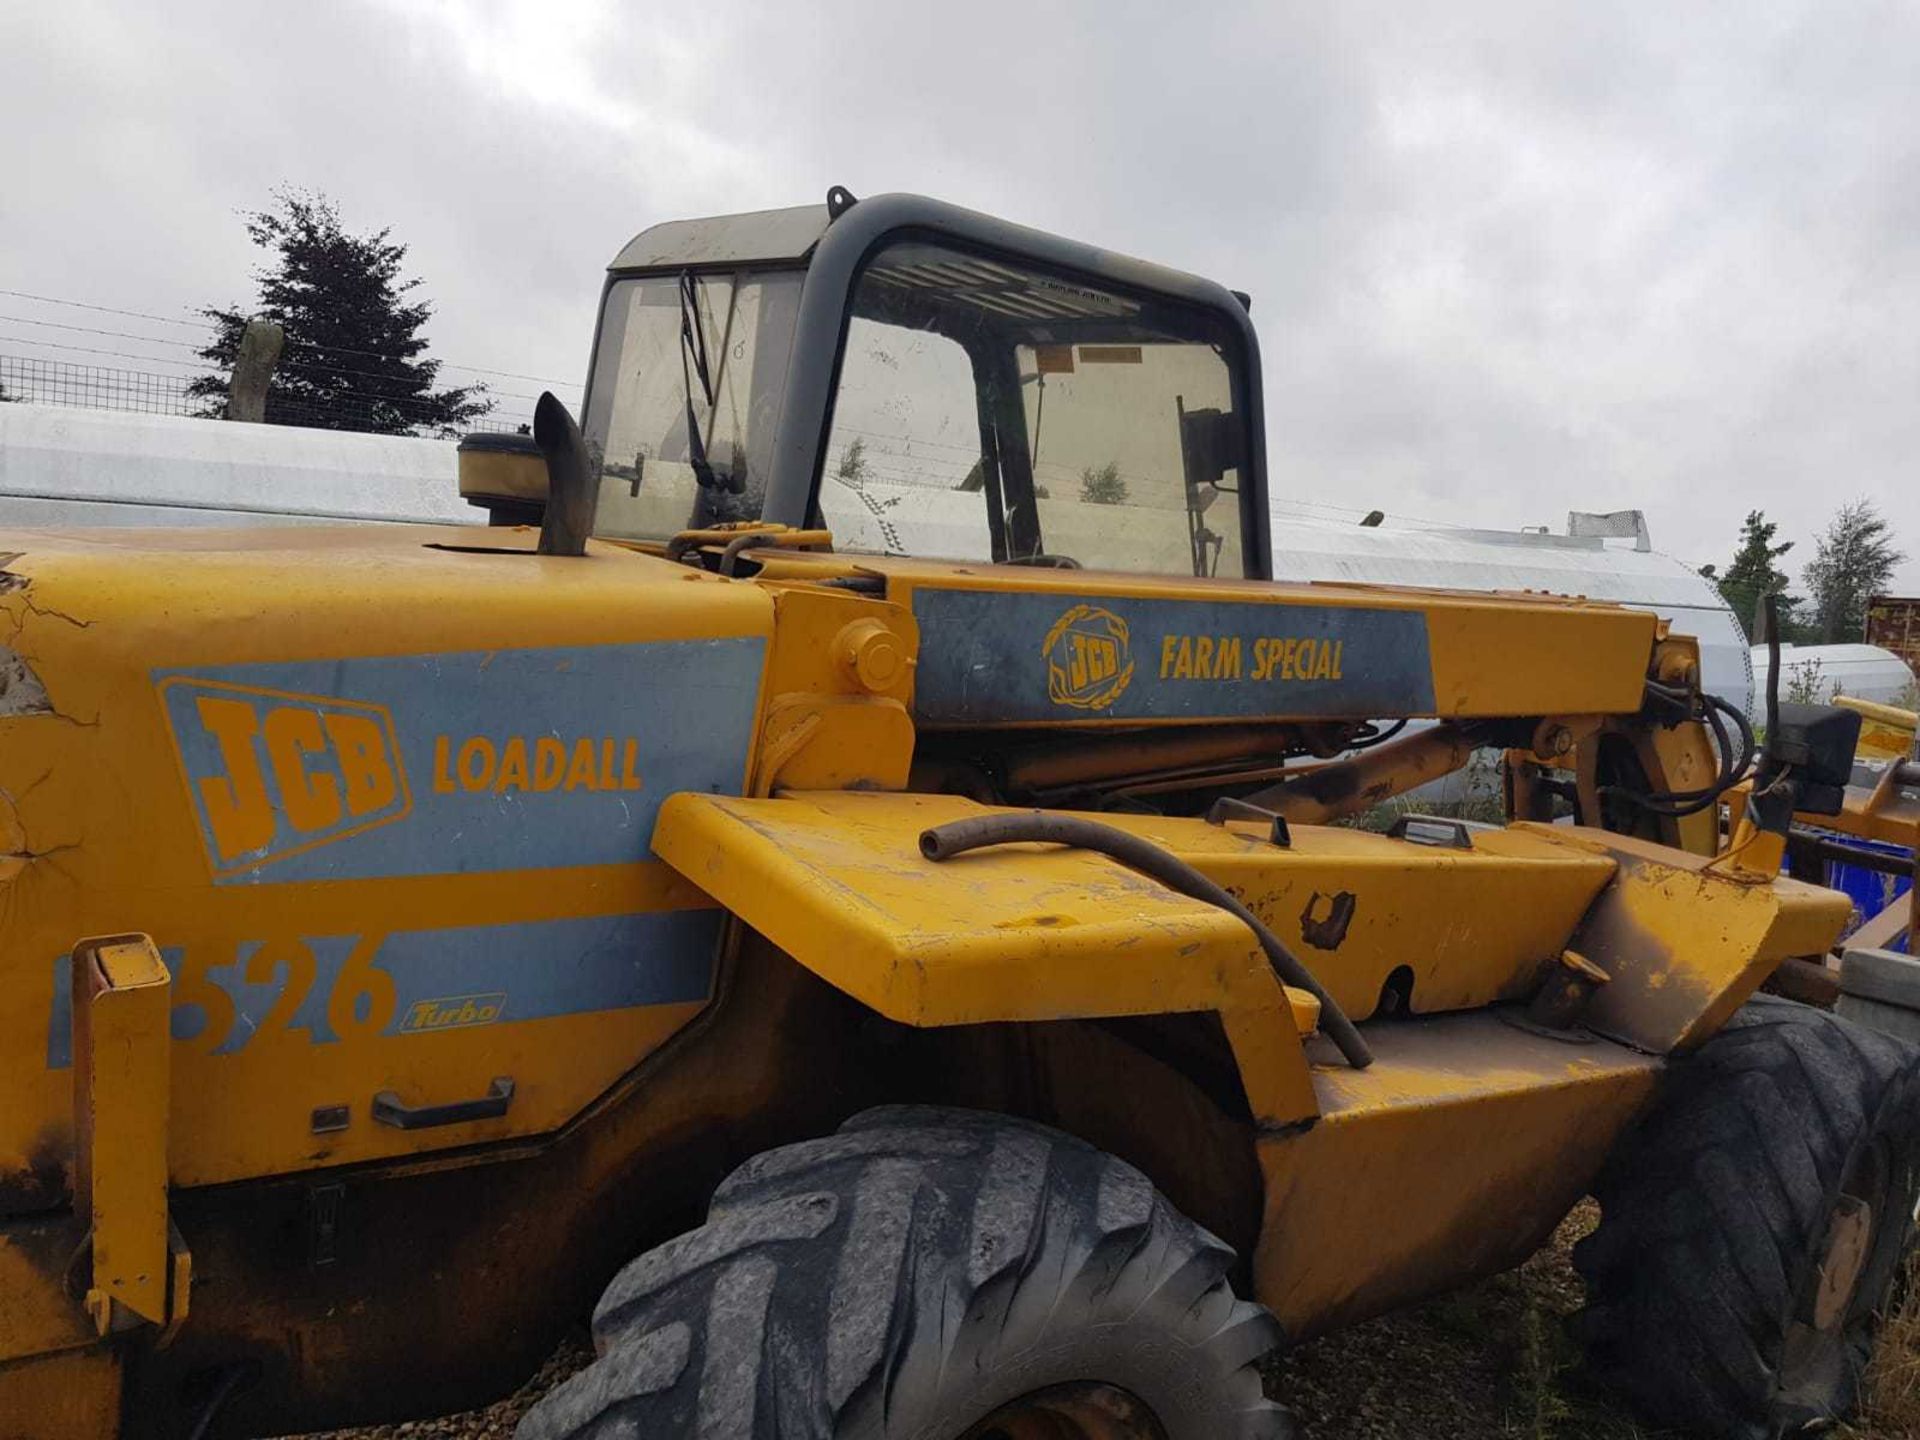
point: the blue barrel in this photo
(1870, 890)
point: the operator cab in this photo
(925, 381)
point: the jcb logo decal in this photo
(274, 773)
(1089, 664)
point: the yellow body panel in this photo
(1453, 1155)
(41, 1314)
(1037, 933)
(1687, 943)
(1886, 731)
(306, 982)
(1030, 932)
(1026, 933)
(1468, 927)
(74, 1395)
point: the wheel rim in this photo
(1852, 1269)
(1849, 1240)
(1087, 1410)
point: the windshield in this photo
(686, 389)
(991, 411)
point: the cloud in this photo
(1508, 259)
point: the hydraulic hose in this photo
(1734, 765)
(943, 842)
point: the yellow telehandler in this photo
(866, 853)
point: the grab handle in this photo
(390, 1109)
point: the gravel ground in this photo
(496, 1422)
(1490, 1361)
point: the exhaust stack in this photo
(573, 490)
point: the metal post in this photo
(260, 346)
(1913, 906)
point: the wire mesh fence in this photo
(57, 382)
(99, 387)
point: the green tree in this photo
(1103, 486)
(1753, 575)
(1853, 561)
(354, 356)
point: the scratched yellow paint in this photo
(1686, 940)
(1386, 1199)
(99, 828)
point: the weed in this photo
(1893, 1381)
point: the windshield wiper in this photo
(693, 363)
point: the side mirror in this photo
(1817, 743)
(1212, 442)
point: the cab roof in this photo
(757, 237)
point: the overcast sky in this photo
(1506, 260)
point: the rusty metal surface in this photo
(1893, 623)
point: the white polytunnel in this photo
(62, 466)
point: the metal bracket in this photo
(323, 1223)
(1227, 808)
(1436, 830)
(123, 1056)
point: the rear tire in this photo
(1753, 1226)
(927, 1275)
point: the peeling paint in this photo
(41, 1183)
(21, 692)
(1325, 932)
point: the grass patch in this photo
(1893, 1382)
(1495, 1360)
(1492, 1360)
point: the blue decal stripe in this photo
(537, 969)
(993, 657)
(456, 763)
(558, 967)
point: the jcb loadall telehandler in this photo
(879, 872)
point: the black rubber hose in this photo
(234, 1377)
(943, 842)
(1678, 804)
